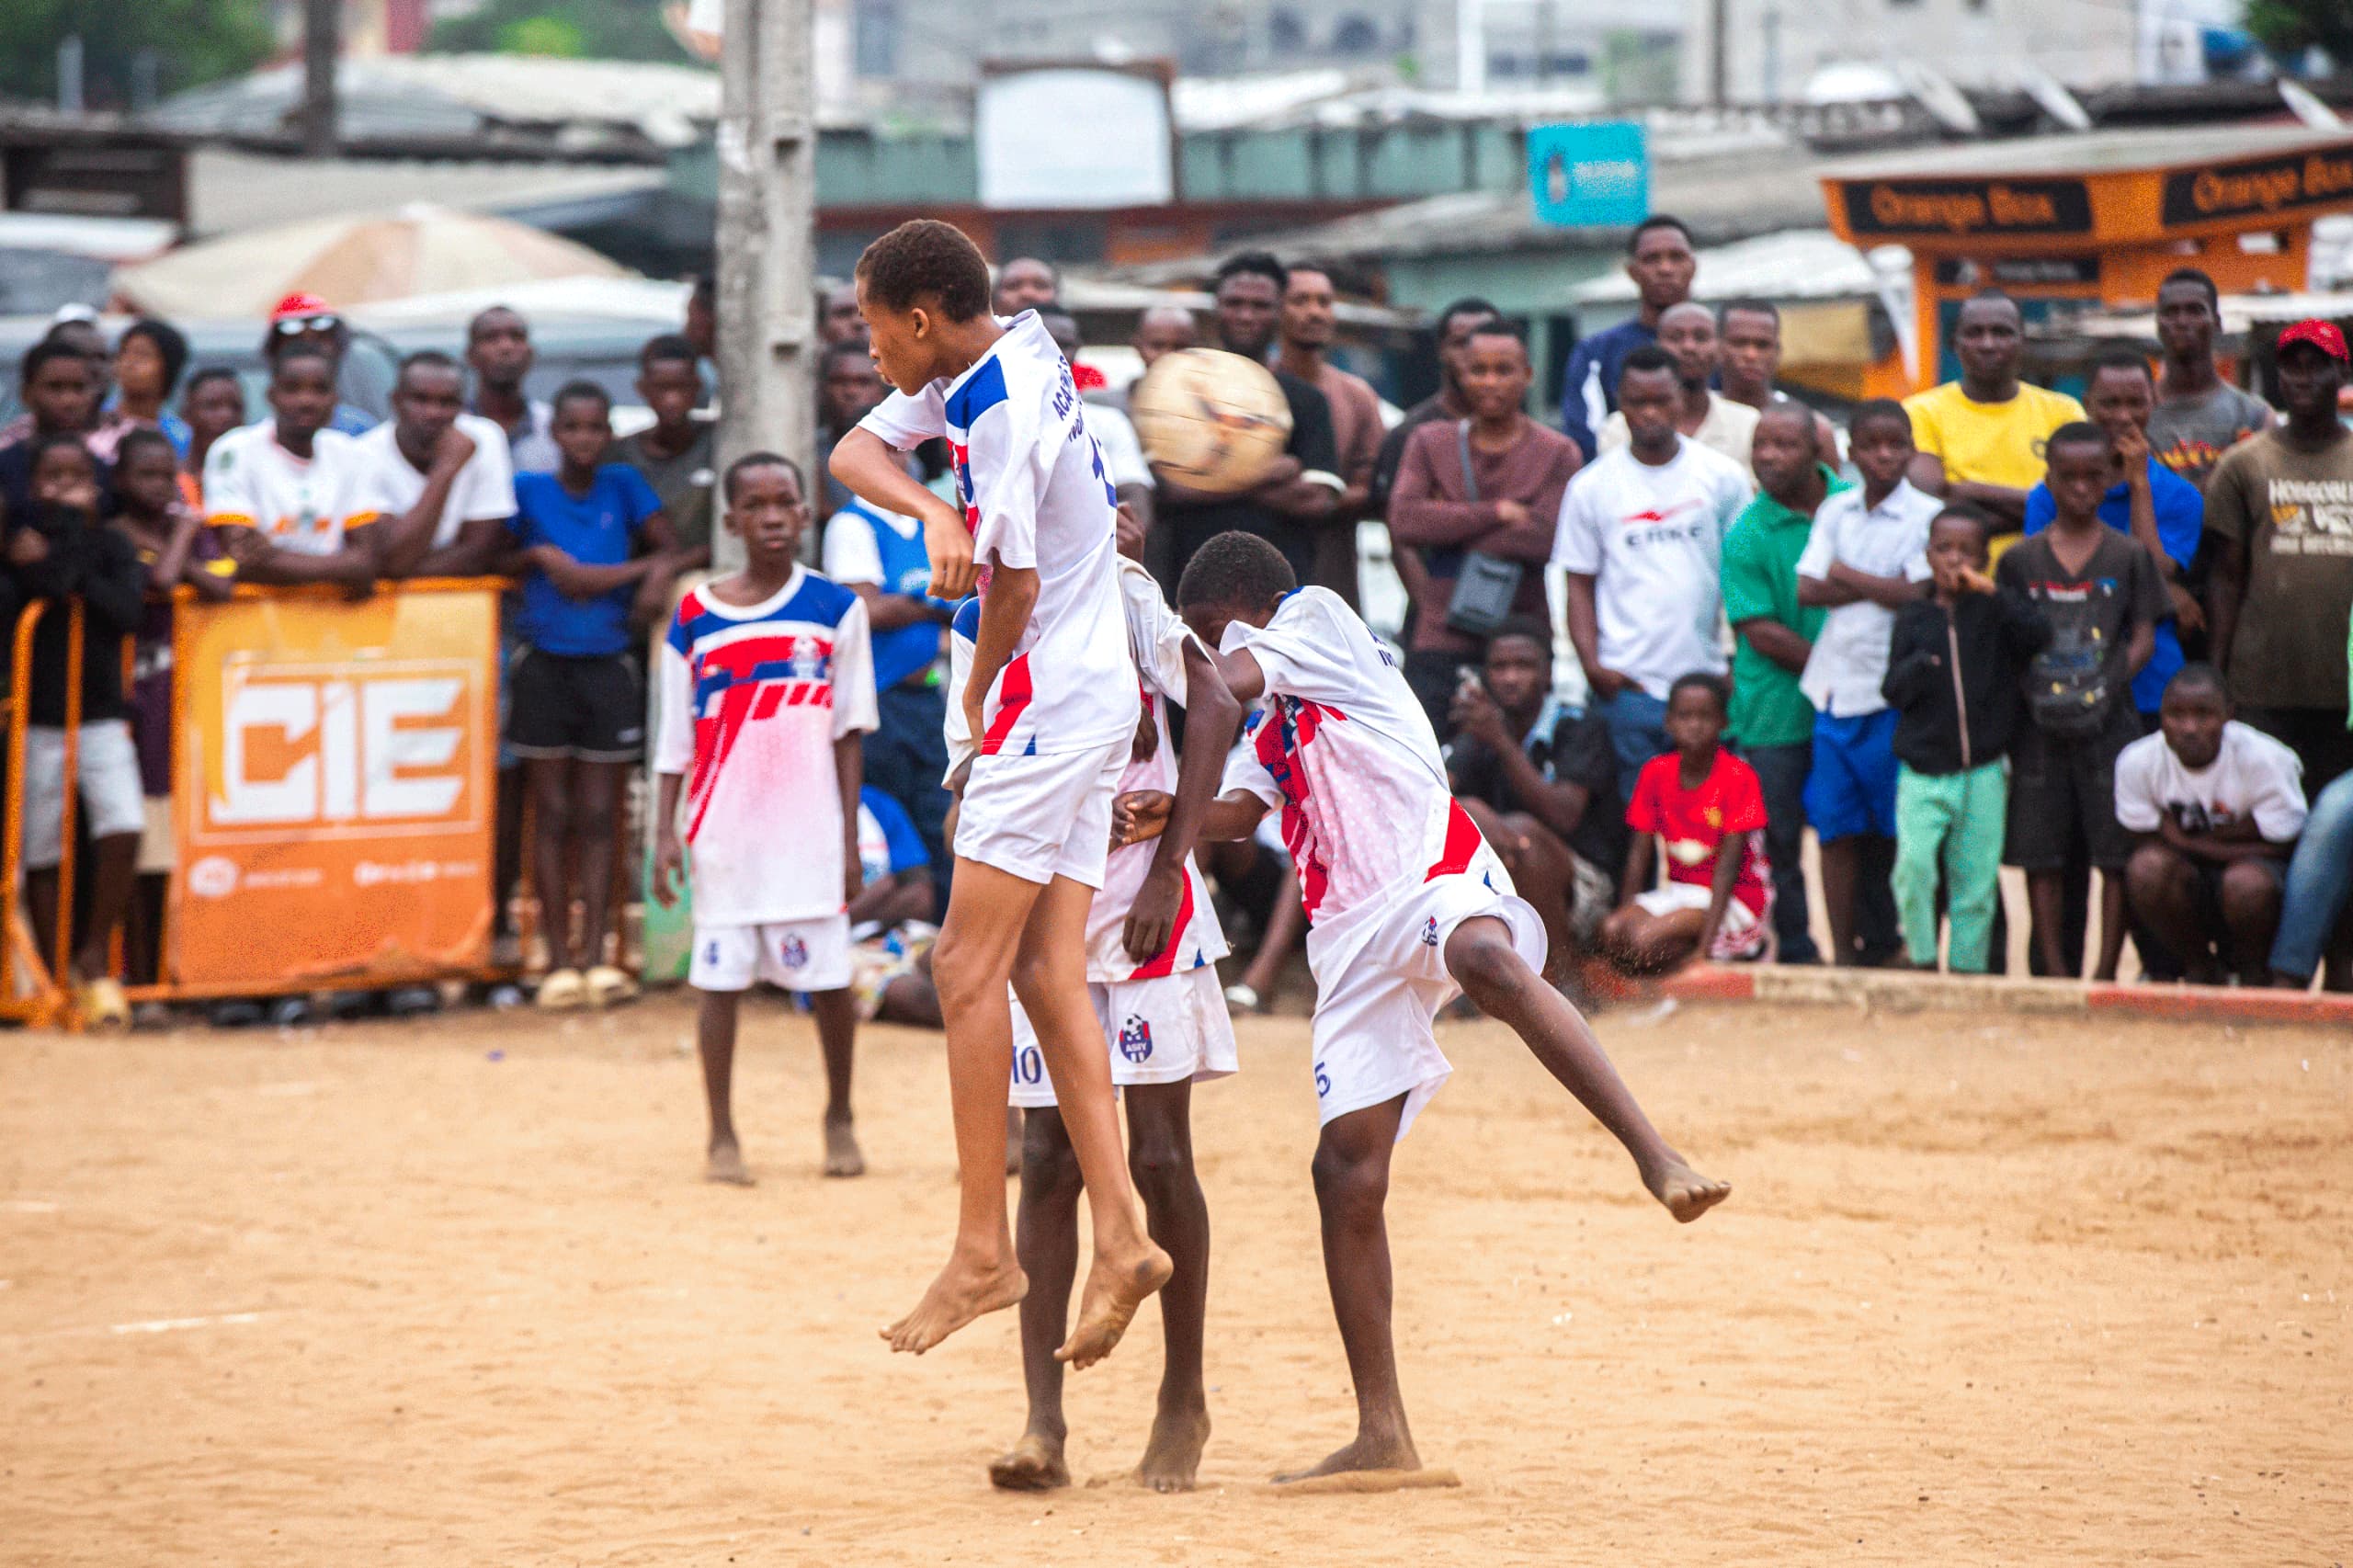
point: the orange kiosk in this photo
(2094, 219)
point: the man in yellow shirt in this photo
(1980, 438)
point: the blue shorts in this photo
(1852, 786)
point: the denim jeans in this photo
(1637, 733)
(1781, 772)
(2319, 879)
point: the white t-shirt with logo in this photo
(1850, 659)
(482, 492)
(1036, 494)
(1653, 540)
(2251, 776)
(306, 505)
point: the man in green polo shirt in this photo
(1771, 718)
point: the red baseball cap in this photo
(312, 305)
(2322, 334)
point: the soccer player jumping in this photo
(1053, 700)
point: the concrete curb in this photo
(1901, 991)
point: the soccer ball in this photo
(1211, 420)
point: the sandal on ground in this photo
(562, 989)
(608, 986)
(103, 1006)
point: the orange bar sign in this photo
(331, 789)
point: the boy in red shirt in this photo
(1706, 807)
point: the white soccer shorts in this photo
(1381, 980)
(1163, 1030)
(793, 955)
(1042, 817)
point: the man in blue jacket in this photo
(1660, 260)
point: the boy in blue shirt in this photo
(595, 555)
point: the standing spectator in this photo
(1308, 323)
(879, 557)
(104, 427)
(1289, 507)
(1866, 561)
(677, 452)
(213, 404)
(1491, 485)
(2319, 883)
(597, 554)
(838, 320)
(701, 326)
(1687, 333)
(291, 496)
(1708, 812)
(1025, 283)
(2103, 598)
(2199, 415)
(2280, 508)
(849, 388)
(1750, 333)
(1453, 327)
(1541, 782)
(1162, 329)
(306, 320)
(1660, 260)
(148, 363)
(438, 476)
(1980, 438)
(2216, 807)
(1642, 539)
(2163, 512)
(498, 349)
(60, 395)
(60, 549)
(1771, 718)
(1953, 674)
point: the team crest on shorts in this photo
(794, 953)
(1135, 1040)
(1429, 932)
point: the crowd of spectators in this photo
(1986, 625)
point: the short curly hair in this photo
(1235, 568)
(927, 258)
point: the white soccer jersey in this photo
(482, 492)
(1156, 638)
(1036, 494)
(306, 505)
(752, 701)
(1342, 747)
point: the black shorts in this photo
(592, 710)
(2062, 790)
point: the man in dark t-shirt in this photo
(1541, 783)
(1289, 507)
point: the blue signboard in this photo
(1595, 175)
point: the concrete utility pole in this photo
(321, 44)
(767, 211)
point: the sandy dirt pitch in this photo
(1991, 1289)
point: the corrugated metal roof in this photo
(229, 190)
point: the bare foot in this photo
(1114, 1291)
(726, 1164)
(842, 1156)
(1687, 1193)
(1368, 1452)
(1172, 1456)
(1034, 1464)
(960, 1294)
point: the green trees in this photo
(194, 41)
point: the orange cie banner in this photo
(332, 796)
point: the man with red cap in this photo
(2280, 505)
(309, 320)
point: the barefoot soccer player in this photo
(1052, 698)
(767, 684)
(1407, 907)
(1152, 942)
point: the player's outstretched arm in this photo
(1212, 719)
(865, 463)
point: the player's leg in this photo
(1047, 1242)
(837, 1016)
(1543, 871)
(970, 964)
(1160, 1157)
(1351, 1191)
(715, 1041)
(1481, 958)
(1049, 976)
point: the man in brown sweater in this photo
(1506, 506)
